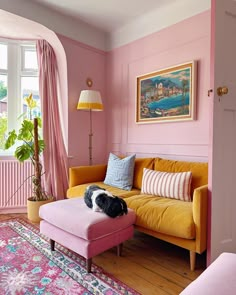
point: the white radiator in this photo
(15, 185)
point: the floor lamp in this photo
(90, 100)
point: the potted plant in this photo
(31, 147)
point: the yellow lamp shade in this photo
(90, 100)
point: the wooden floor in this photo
(150, 266)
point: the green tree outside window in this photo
(3, 90)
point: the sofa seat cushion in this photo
(164, 215)
(78, 191)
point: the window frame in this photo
(2, 43)
(27, 47)
(15, 71)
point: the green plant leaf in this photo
(26, 130)
(39, 122)
(41, 145)
(10, 141)
(3, 130)
(23, 152)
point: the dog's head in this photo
(95, 195)
(112, 206)
(91, 192)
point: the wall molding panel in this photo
(182, 42)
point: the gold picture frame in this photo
(167, 95)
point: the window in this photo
(3, 93)
(18, 78)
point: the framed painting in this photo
(167, 95)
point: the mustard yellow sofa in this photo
(178, 222)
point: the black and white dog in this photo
(100, 200)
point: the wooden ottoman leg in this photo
(52, 244)
(119, 249)
(88, 264)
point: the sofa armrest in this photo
(86, 174)
(200, 201)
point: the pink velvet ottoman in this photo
(217, 279)
(75, 226)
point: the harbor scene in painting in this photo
(165, 95)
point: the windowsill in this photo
(6, 155)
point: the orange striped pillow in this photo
(165, 184)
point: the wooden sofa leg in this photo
(192, 260)
(119, 249)
(88, 264)
(52, 244)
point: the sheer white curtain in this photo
(54, 156)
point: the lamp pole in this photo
(90, 139)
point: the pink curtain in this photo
(54, 156)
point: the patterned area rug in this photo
(27, 266)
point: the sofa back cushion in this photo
(140, 164)
(199, 170)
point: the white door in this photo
(222, 153)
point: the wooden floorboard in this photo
(150, 266)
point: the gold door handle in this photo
(222, 90)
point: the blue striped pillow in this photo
(120, 172)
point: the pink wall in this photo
(82, 62)
(182, 42)
(114, 74)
